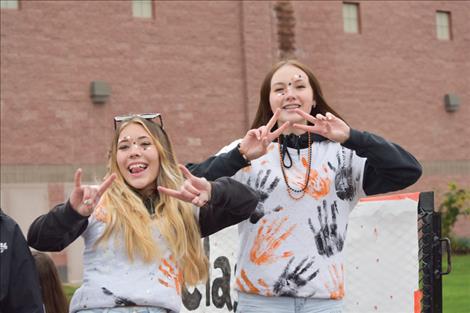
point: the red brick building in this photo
(201, 65)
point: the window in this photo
(142, 8)
(351, 17)
(443, 25)
(9, 4)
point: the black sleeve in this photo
(231, 202)
(224, 164)
(388, 167)
(20, 290)
(57, 229)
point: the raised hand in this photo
(256, 141)
(85, 197)
(328, 125)
(194, 189)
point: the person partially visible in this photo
(51, 287)
(19, 285)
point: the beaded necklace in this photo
(291, 191)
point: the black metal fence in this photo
(430, 254)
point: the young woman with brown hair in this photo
(310, 168)
(51, 287)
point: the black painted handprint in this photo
(327, 238)
(263, 189)
(345, 189)
(119, 301)
(291, 281)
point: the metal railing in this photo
(430, 254)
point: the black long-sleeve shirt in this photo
(20, 291)
(388, 167)
(62, 225)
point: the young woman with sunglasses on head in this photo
(308, 179)
(142, 237)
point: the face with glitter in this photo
(290, 89)
(137, 158)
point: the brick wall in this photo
(186, 63)
(201, 65)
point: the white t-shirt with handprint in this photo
(295, 247)
(111, 279)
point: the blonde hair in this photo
(174, 218)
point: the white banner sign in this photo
(381, 261)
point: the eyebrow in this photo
(127, 138)
(282, 83)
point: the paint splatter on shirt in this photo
(295, 247)
(110, 279)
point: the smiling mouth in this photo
(290, 106)
(137, 168)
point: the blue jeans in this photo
(127, 309)
(250, 303)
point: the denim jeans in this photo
(127, 309)
(250, 303)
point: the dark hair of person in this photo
(264, 113)
(51, 287)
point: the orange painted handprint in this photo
(268, 239)
(317, 187)
(171, 272)
(337, 277)
(250, 287)
(100, 214)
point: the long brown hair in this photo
(264, 113)
(174, 218)
(51, 288)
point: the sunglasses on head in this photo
(146, 116)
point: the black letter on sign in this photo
(207, 249)
(222, 283)
(191, 301)
(235, 303)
